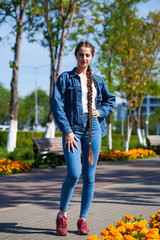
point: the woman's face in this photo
(84, 57)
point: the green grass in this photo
(24, 154)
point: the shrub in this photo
(23, 138)
(3, 138)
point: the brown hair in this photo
(89, 86)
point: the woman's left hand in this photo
(95, 113)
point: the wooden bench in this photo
(153, 142)
(46, 149)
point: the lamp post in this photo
(36, 99)
(36, 90)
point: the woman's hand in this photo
(70, 141)
(95, 113)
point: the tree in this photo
(139, 64)
(55, 19)
(150, 61)
(106, 54)
(117, 28)
(14, 10)
(4, 103)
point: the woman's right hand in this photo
(70, 141)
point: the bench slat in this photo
(48, 144)
(154, 140)
(46, 147)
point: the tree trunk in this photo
(138, 125)
(50, 127)
(109, 132)
(12, 133)
(129, 127)
(143, 129)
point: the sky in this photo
(34, 71)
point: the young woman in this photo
(80, 103)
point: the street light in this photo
(36, 99)
(36, 90)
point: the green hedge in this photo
(3, 138)
(24, 139)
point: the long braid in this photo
(89, 86)
(90, 90)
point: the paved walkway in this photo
(29, 202)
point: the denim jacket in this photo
(66, 102)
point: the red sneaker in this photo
(82, 227)
(61, 225)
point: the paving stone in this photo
(29, 202)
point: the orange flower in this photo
(128, 226)
(121, 229)
(128, 217)
(110, 227)
(104, 233)
(120, 223)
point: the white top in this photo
(85, 97)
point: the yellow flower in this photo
(129, 226)
(121, 229)
(128, 237)
(144, 230)
(115, 233)
(93, 237)
(154, 230)
(140, 224)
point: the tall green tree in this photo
(104, 39)
(13, 12)
(117, 27)
(150, 62)
(129, 53)
(139, 62)
(55, 19)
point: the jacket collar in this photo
(73, 74)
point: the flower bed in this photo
(8, 166)
(117, 155)
(132, 228)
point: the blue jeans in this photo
(73, 163)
